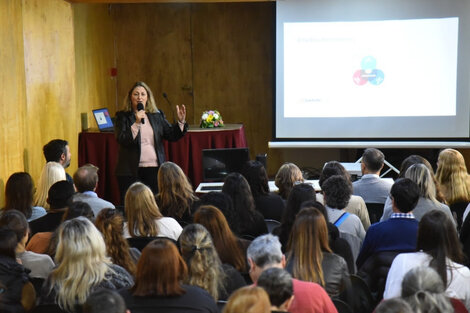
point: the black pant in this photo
(146, 175)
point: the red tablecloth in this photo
(101, 149)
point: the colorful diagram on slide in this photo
(368, 73)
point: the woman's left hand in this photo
(181, 112)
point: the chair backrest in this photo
(221, 304)
(48, 308)
(375, 211)
(141, 242)
(457, 210)
(363, 301)
(342, 306)
(271, 224)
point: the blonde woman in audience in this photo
(51, 173)
(175, 194)
(110, 223)
(205, 268)
(454, 180)
(287, 175)
(452, 174)
(249, 299)
(143, 215)
(82, 267)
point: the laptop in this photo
(218, 163)
(103, 120)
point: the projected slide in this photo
(370, 69)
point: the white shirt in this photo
(458, 276)
(167, 227)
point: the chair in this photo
(457, 210)
(48, 308)
(341, 306)
(37, 283)
(362, 296)
(376, 211)
(141, 242)
(375, 270)
(271, 224)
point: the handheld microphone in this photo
(140, 107)
(171, 106)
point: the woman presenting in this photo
(140, 129)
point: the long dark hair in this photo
(236, 186)
(257, 178)
(438, 238)
(19, 192)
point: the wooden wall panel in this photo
(153, 45)
(50, 80)
(233, 66)
(12, 91)
(94, 58)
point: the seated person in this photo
(371, 187)
(399, 232)
(278, 284)
(337, 192)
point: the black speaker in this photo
(263, 159)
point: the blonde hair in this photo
(151, 105)
(420, 174)
(248, 300)
(51, 173)
(453, 177)
(205, 267)
(81, 262)
(176, 194)
(141, 211)
(286, 176)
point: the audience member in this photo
(85, 181)
(310, 257)
(250, 299)
(337, 192)
(40, 265)
(51, 173)
(110, 223)
(204, 266)
(339, 245)
(421, 175)
(454, 180)
(269, 204)
(383, 236)
(19, 192)
(81, 253)
(175, 197)
(394, 305)
(248, 221)
(299, 194)
(278, 285)
(287, 176)
(158, 284)
(265, 252)
(371, 187)
(356, 204)
(105, 300)
(424, 290)
(59, 198)
(144, 217)
(76, 209)
(58, 150)
(230, 249)
(224, 203)
(18, 295)
(438, 247)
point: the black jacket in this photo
(13, 277)
(129, 148)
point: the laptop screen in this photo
(218, 163)
(103, 119)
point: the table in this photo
(100, 149)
